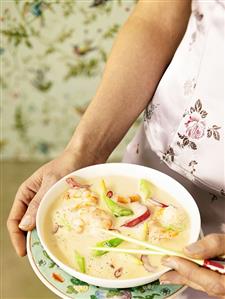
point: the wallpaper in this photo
(52, 56)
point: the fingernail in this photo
(25, 222)
(193, 248)
(165, 282)
(169, 262)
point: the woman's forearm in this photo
(144, 47)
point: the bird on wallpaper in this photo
(98, 2)
(36, 9)
(84, 49)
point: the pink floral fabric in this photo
(184, 122)
(195, 127)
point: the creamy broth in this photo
(65, 233)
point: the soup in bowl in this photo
(81, 217)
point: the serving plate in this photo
(68, 287)
(158, 178)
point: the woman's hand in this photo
(23, 212)
(190, 274)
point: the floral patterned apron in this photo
(184, 123)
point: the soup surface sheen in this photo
(72, 226)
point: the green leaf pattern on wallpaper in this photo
(52, 56)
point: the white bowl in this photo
(121, 169)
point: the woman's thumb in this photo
(210, 246)
(28, 221)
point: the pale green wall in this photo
(46, 83)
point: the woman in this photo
(171, 52)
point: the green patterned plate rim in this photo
(69, 287)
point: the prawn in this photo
(96, 217)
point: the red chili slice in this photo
(109, 194)
(214, 265)
(158, 203)
(138, 220)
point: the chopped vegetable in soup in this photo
(132, 207)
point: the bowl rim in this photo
(103, 282)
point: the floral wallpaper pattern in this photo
(52, 56)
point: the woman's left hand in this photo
(194, 276)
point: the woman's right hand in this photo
(22, 216)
